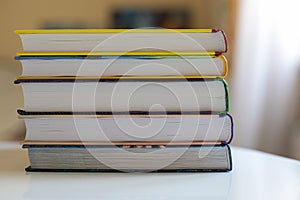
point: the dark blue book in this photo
(134, 158)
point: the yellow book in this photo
(106, 66)
(206, 41)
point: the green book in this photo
(206, 96)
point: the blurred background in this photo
(264, 55)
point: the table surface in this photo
(255, 175)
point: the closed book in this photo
(89, 127)
(124, 40)
(159, 95)
(124, 65)
(72, 158)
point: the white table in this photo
(256, 175)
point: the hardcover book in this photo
(158, 95)
(164, 158)
(89, 127)
(208, 41)
(106, 66)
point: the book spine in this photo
(229, 158)
(225, 40)
(227, 98)
(227, 142)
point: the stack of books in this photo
(125, 100)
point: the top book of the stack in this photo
(115, 41)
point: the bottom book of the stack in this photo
(128, 158)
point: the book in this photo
(84, 127)
(208, 41)
(93, 158)
(146, 95)
(124, 66)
